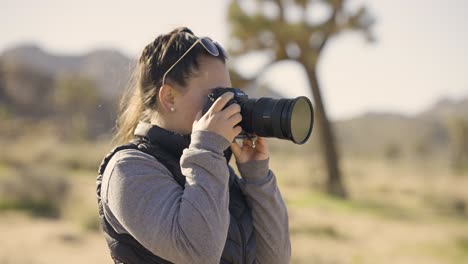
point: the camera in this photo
(290, 119)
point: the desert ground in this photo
(397, 211)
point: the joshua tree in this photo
(287, 30)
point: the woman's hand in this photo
(250, 152)
(222, 122)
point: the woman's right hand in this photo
(222, 122)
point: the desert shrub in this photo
(393, 151)
(47, 150)
(90, 221)
(39, 191)
(459, 143)
(422, 148)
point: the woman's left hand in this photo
(250, 151)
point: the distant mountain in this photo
(30, 90)
(447, 108)
(426, 132)
(110, 69)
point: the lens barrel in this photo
(290, 119)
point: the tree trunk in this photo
(334, 183)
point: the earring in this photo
(172, 109)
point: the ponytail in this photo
(130, 111)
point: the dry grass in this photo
(400, 211)
(39, 191)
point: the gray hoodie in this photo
(141, 198)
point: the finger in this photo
(261, 141)
(262, 144)
(236, 150)
(237, 130)
(235, 119)
(219, 104)
(247, 143)
(232, 110)
(197, 117)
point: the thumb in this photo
(197, 117)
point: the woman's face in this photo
(189, 101)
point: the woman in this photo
(169, 196)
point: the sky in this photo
(420, 55)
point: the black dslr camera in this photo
(290, 119)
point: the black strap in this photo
(123, 247)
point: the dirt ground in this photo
(25, 240)
(396, 213)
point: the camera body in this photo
(267, 117)
(239, 98)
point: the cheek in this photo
(192, 113)
(198, 105)
(192, 106)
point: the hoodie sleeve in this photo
(180, 225)
(269, 212)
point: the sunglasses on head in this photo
(210, 46)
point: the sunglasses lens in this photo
(221, 50)
(210, 46)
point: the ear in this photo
(166, 97)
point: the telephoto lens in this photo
(290, 119)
